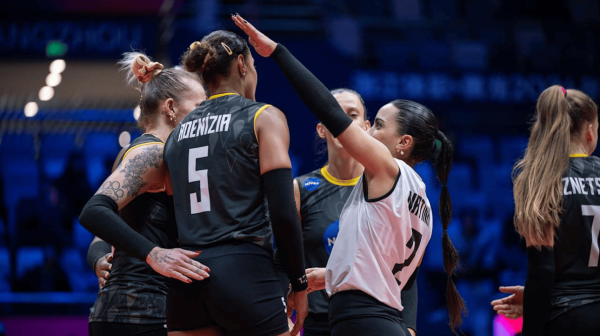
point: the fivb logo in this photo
(312, 183)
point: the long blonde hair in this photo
(560, 115)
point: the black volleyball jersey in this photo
(322, 198)
(135, 293)
(577, 275)
(212, 157)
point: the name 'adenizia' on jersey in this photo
(219, 196)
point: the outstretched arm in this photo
(142, 169)
(372, 154)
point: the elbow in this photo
(86, 216)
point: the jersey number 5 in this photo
(594, 212)
(198, 176)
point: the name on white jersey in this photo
(417, 205)
(203, 126)
(581, 186)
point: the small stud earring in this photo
(401, 152)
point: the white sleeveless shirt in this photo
(381, 241)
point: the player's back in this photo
(212, 157)
(577, 277)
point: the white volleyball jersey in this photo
(381, 241)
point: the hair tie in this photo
(194, 45)
(227, 49)
(564, 91)
(145, 71)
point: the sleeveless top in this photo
(577, 275)
(322, 198)
(212, 157)
(135, 293)
(381, 240)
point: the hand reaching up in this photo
(263, 45)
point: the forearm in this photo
(314, 94)
(410, 300)
(286, 225)
(538, 291)
(98, 249)
(99, 216)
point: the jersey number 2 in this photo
(198, 176)
(594, 211)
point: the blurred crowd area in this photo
(479, 65)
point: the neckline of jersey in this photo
(336, 181)
(578, 155)
(222, 95)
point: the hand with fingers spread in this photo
(297, 301)
(512, 305)
(102, 269)
(177, 263)
(316, 279)
(263, 45)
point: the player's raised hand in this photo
(512, 305)
(263, 45)
(177, 263)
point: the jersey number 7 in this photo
(594, 212)
(415, 240)
(198, 176)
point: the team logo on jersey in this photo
(312, 183)
(330, 235)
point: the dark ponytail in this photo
(442, 162)
(213, 55)
(419, 122)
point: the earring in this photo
(172, 115)
(401, 152)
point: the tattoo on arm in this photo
(133, 169)
(111, 189)
(138, 166)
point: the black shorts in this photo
(317, 325)
(243, 294)
(126, 329)
(581, 321)
(357, 313)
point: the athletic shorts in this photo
(317, 325)
(126, 329)
(243, 294)
(356, 313)
(581, 321)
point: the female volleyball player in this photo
(557, 211)
(320, 196)
(133, 300)
(224, 160)
(386, 222)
